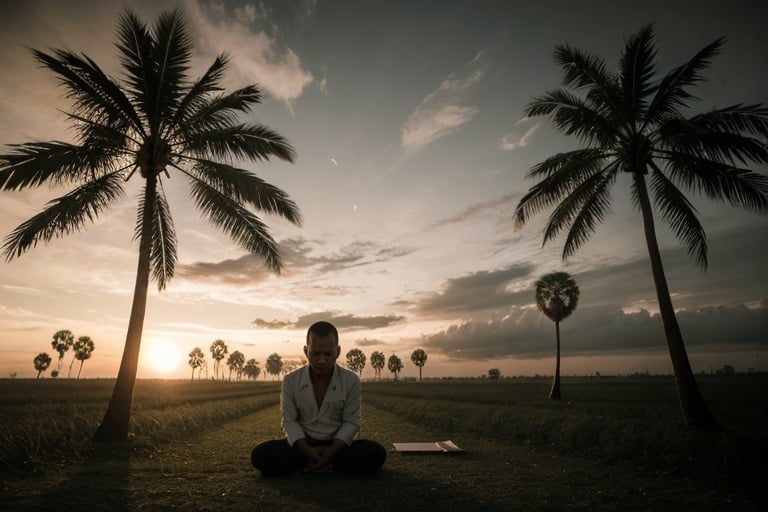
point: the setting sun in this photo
(163, 356)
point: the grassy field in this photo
(611, 444)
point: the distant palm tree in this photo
(395, 365)
(629, 122)
(356, 361)
(236, 362)
(274, 364)
(218, 352)
(42, 362)
(378, 361)
(62, 341)
(83, 348)
(157, 121)
(419, 358)
(557, 296)
(196, 360)
(252, 369)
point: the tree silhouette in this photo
(419, 358)
(156, 121)
(274, 365)
(62, 341)
(236, 362)
(557, 296)
(494, 374)
(42, 361)
(252, 369)
(356, 361)
(196, 360)
(83, 348)
(378, 361)
(394, 364)
(632, 124)
(218, 352)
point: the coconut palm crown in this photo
(630, 121)
(153, 124)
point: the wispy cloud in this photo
(500, 207)
(444, 110)
(341, 321)
(520, 135)
(255, 55)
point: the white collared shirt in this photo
(338, 417)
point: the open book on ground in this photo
(429, 447)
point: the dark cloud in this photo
(341, 321)
(526, 333)
(248, 269)
(485, 290)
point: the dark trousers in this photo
(277, 457)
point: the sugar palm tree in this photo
(154, 123)
(235, 362)
(629, 121)
(61, 342)
(356, 361)
(83, 348)
(378, 361)
(557, 296)
(218, 352)
(419, 358)
(196, 360)
(42, 361)
(395, 365)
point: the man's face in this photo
(322, 354)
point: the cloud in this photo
(246, 270)
(525, 333)
(256, 54)
(477, 292)
(365, 342)
(341, 321)
(520, 135)
(501, 207)
(443, 111)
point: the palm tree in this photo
(274, 364)
(196, 360)
(557, 296)
(235, 362)
(62, 341)
(252, 369)
(628, 121)
(356, 361)
(394, 364)
(83, 348)
(218, 352)
(157, 121)
(378, 361)
(419, 358)
(42, 361)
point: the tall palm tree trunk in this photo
(554, 393)
(114, 426)
(695, 411)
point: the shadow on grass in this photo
(98, 481)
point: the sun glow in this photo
(163, 357)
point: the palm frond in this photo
(243, 186)
(96, 96)
(672, 93)
(163, 243)
(573, 116)
(218, 112)
(739, 118)
(244, 227)
(584, 209)
(637, 69)
(582, 70)
(35, 163)
(173, 51)
(197, 96)
(678, 212)
(251, 142)
(720, 181)
(136, 46)
(64, 215)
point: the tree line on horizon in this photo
(276, 366)
(156, 120)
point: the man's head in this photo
(322, 348)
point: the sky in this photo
(413, 147)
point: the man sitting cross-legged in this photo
(320, 414)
